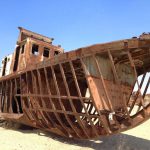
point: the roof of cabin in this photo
(24, 34)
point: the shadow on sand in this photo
(115, 142)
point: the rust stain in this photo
(86, 93)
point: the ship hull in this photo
(82, 94)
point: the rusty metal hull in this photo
(84, 93)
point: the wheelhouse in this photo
(31, 48)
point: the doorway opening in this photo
(16, 58)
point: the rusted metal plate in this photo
(84, 94)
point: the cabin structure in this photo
(31, 48)
(6, 65)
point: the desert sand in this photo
(134, 139)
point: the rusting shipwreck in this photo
(86, 93)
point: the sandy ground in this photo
(135, 139)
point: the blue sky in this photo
(73, 23)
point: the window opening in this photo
(46, 52)
(56, 52)
(35, 49)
